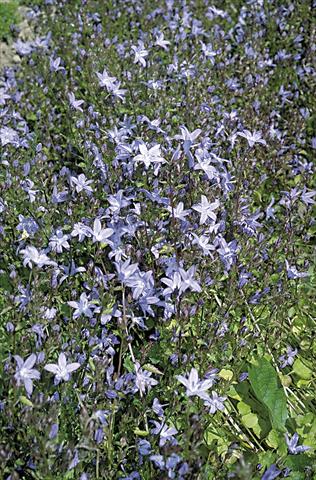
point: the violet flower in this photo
(61, 370)
(25, 373)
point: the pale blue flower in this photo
(53, 431)
(158, 460)
(195, 387)
(206, 209)
(59, 241)
(161, 42)
(187, 280)
(55, 64)
(188, 141)
(158, 407)
(252, 138)
(82, 307)
(203, 242)
(144, 447)
(105, 80)
(81, 231)
(61, 370)
(140, 53)
(100, 234)
(292, 446)
(166, 433)
(117, 202)
(81, 183)
(270, 210)
(293, 273)
(143, 379)
(76, 104)
(288, 357)
(271, 473)
(28, 225)
(34, 256)
(125, 269)
(118, 92)
(25, 373)
(149, 156)
(307, 197)
(215, 402)
(205, 165)
(8, 136)
(178, 211)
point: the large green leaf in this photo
(266, 386)
(298, 462)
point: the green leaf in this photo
(243, 408)
(92, 366)
(141, 433)
(226, 374)
(305, 419)
(6, 310)
(298, 462)
(273, 439)
(302, 370)
(266, 458)
(31, 117)
(265, 384)
(250, 420)
(128, 364)
(152, 369)
(5, 282)
(69, 475)
(232, 393)
(26, 401)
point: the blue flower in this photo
(100, 234)
(39, 258)
(144, 447)
(271, 473)
(28, 225)
(158, 460)
(81, 183)
(293, 273)
(25, 373)
(205, 208)
(143, 379)
(149, 156)
(288, 357)
(53, 431)
(83, 306)
(178, 211)
(161, 42)
(194, 386)
(76, 104)
(292, 445)
(140, 53)
(166, 433)
(252, 138)
(8, 136)
(105, 80)
(215, 403)
(61, 370)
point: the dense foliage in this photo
(8, 17)
(157, 242)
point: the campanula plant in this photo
(157, 242)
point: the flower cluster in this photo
(157, 196)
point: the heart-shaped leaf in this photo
(266, 386)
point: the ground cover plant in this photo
(157, 234)
(8, 17)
